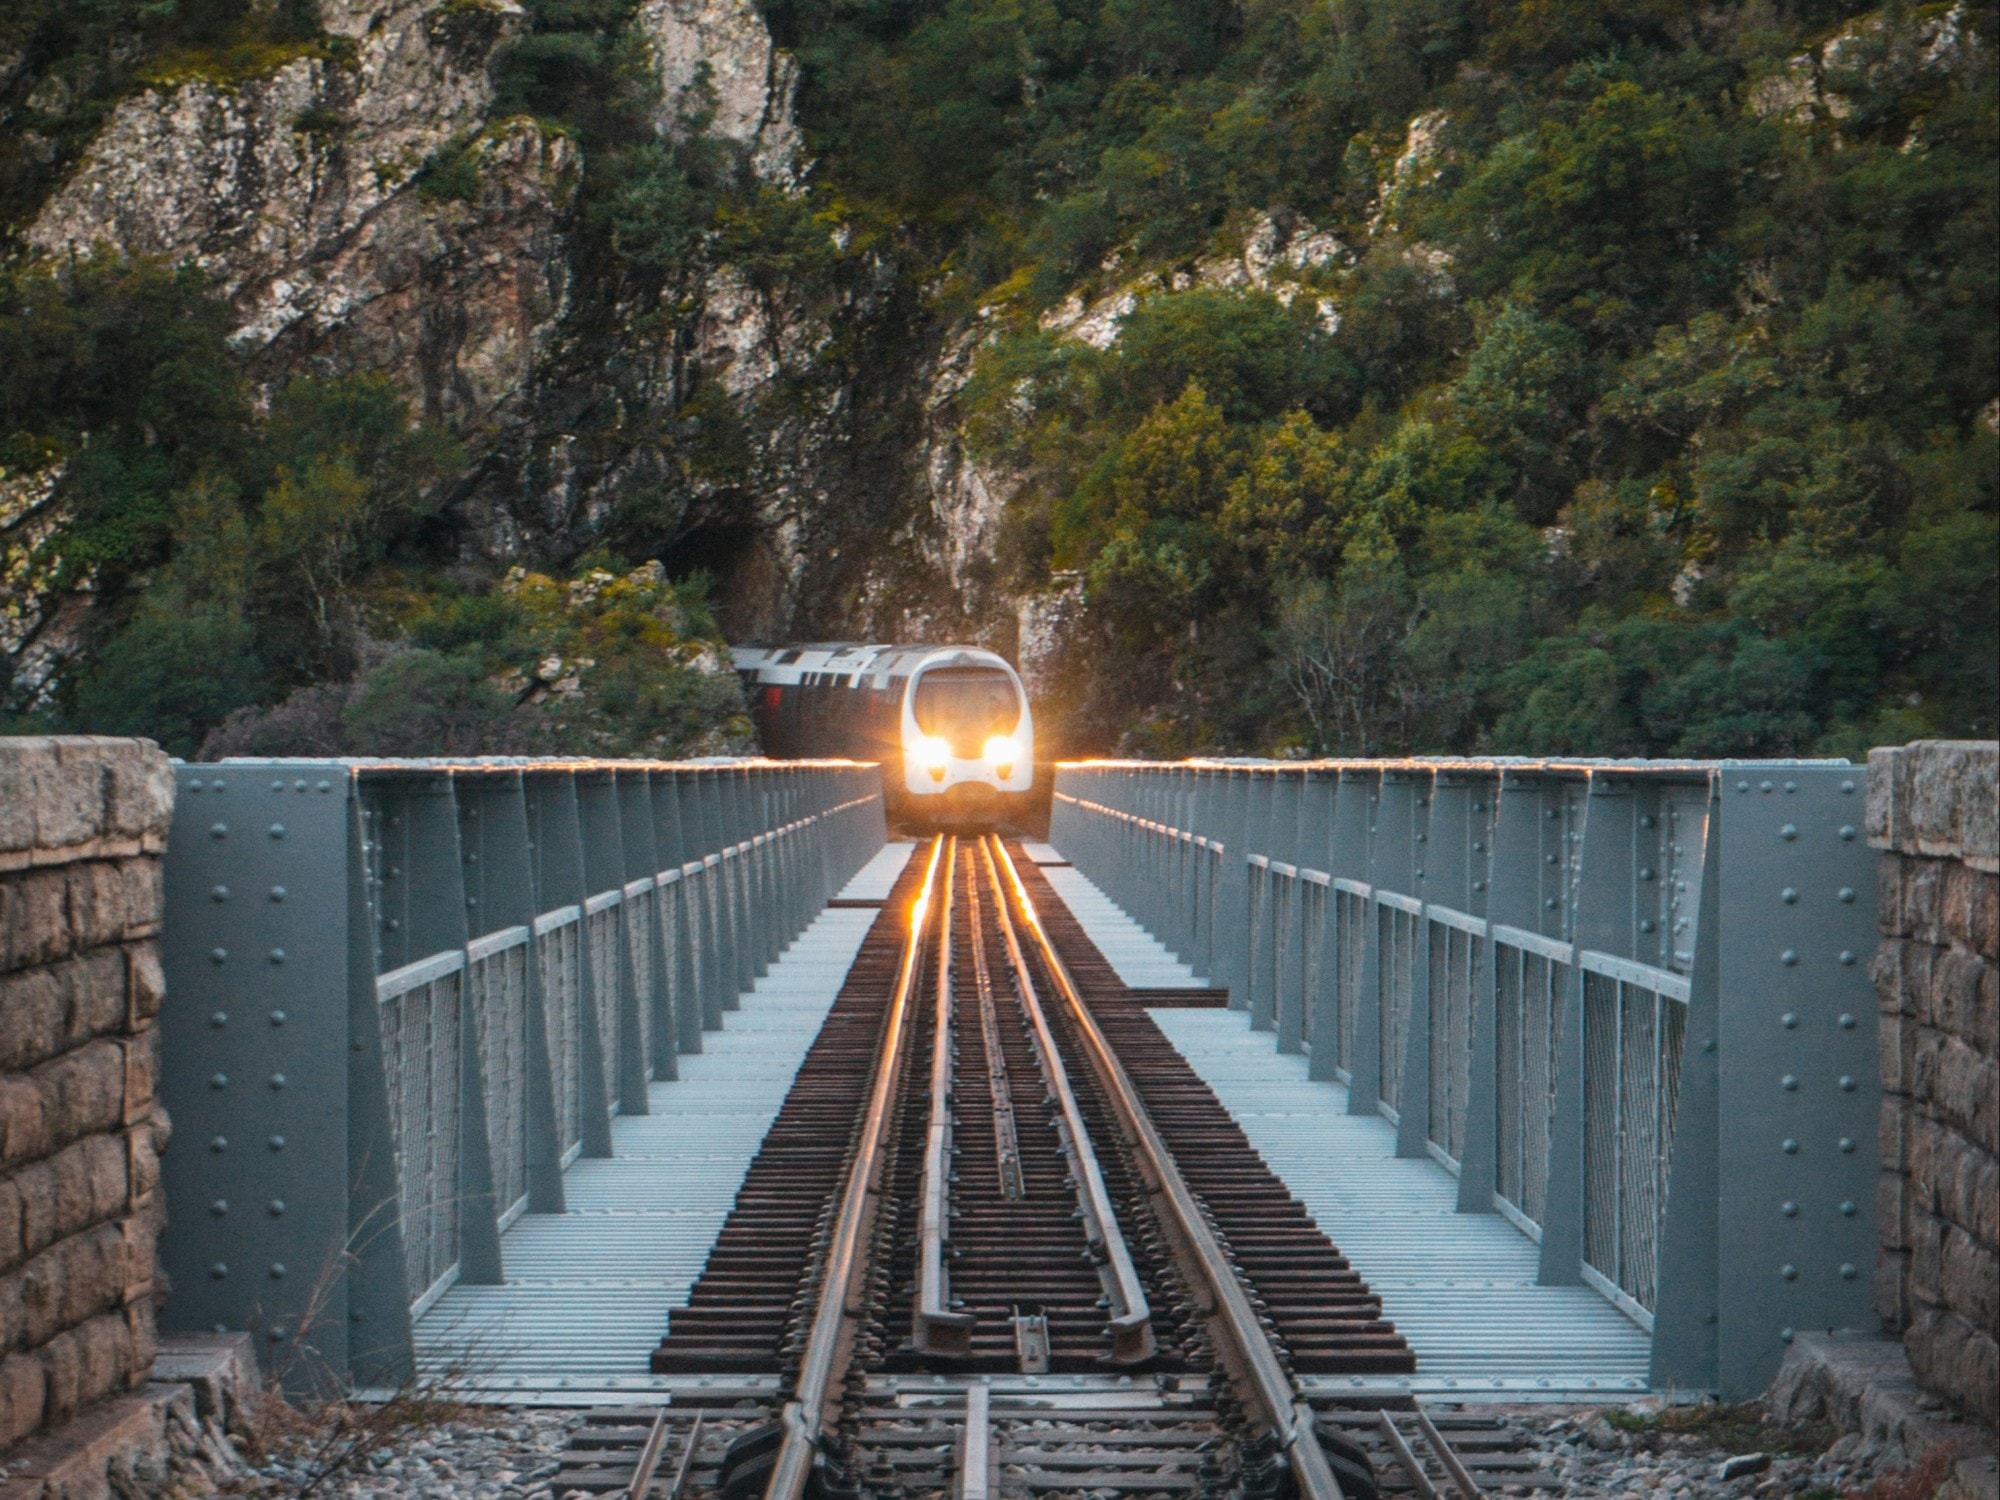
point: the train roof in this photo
(790, 663)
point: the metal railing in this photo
(406, 995)
(1557, 979)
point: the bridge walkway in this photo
(590, 1291)
(1461, 1287)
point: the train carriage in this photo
(950, 725)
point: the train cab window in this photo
(965, 705)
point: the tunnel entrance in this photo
(747, 583)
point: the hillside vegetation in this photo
(1360, 376)
(1647, 405)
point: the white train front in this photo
(950, 725)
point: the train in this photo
(950, 725)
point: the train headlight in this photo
(933, 753)
(1001, 753)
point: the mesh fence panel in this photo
(1633, 1039)
(1600, 1124)
(606, 970)
(1396, 975)
(1455, 958)
(1313, 902)
(640, 923)
(1529, 1030)
(562, 1004)
(420, 1058)
(1351, 925)
(1638, 1141)
(497, 987)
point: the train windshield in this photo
(964, 705)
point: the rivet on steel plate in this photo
(1847, 957)
(219, 831)
(219, 1020)
(1764, 786)
(1790, 1147)
(1846, 1023)
(1645, 872)
(1847, 788)
(277, 893)
(218, 1081)
(277, 1271)
(277, 1081)
(1847, 895)
(1789, 1209)
(1550, 903)
(1479, 885)
(219, 1207)
(1790, 1273)
(1789, 957)
(1791, 786)
(1789, 832)
(1785, 1335)
(219, 1270)
(1646, 924)
(277, 1335)
(1846, 1084)
(218, 955)
(219, 893)
(277, 955)
(299, 785)
(1847, 833)
(1742, 786)
(326, 786)
(1847, 1144)
(278, 785)
(219, 1144)
(1847, 1208)
(1847, 1272)
(1789, 896)
(1791, 1083)
(277, 1143)
(277, 1018)
(275, 1208)
(195, 785)
(277, 830)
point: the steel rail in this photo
(1006, 1141)
(1130, 1325)
(843, 1278)
(1240, 1337)
(935, 1328)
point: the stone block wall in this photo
(83, 823)
(1932, 809)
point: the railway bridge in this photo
(1244, 1135)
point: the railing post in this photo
(1322, 820)
(1473, 797)
(1361, 808)
(717, 930)
(663, 807)
(1559, 830)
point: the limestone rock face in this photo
(299, 192)
(716, 61)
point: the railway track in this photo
(1001, 1241)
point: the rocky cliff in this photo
(363, 205)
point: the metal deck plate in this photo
(591, 1291)
(1460, 1287)
(874, 880)
(1133, 952)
